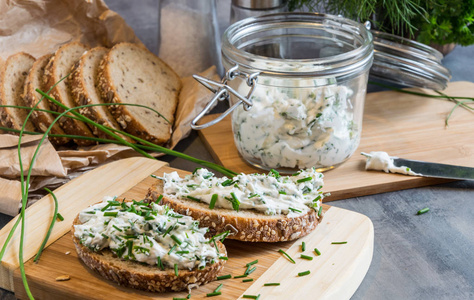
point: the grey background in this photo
(415, 257)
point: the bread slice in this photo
(12, 79)
(250, 226)
(145, 277)
(131, 74)
(41, 119)
(59, 66)
(83, 91)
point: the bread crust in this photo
(251, 226)
(51, 76)
(144, 277)
(40, 118)
(107, 90)
(81, 96)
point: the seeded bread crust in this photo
(131, 74)
(59, 66)
(144, 277)
(41, 119)
(12, 78)
(251, 226)
(83, 91)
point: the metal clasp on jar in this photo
(222, 92)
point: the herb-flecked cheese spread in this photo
(297, 127)
(270, 194)
(147, 233)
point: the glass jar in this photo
(305, 76)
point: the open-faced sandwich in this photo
(258, 207)
(146, 246)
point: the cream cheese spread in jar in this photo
(381, 161)
(297, 128)
(147, 233)
(270, 194)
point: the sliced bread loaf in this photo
(250, 226)
(131, 74)
(83, 91)
(41, 119)
(59, 66)
(12, 79)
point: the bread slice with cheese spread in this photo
(248, 225)
(140, 275)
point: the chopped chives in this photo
(218, 288)
(159, 199)
(168, 230)
(338, 243)
(247, 280)
(282, 192)
(176, 269)
(105, 207)
(182, 252)
(250, 296)
(251, 270)
(224, 277)
(172, 249)
(227, 182)
(320, 211)
(253, 195)
(189, 296)
(304, 179)
(303, 246)
(224, 258)
(275, 173)
(176, 239)
(422, 211)
(287, 256)
(294, 209)
(213, 294)
(241, 276)
(317, 251)
(90, 212)
(306, 257)
(213, 201)
(160, 263)
(149, 218)
(59, 217)
(174, 298)
(116, 228)
(272, 284)
(193, 198)
(236, 202)
(304, 273)
(252, 263)
(105, 236)
(110, 213)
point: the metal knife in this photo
(429, 169)
(436, 170)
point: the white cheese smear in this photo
(381, 161)
(270, 194)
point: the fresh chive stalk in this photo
(422, 211)
(306, 257)
(339, 243)
(272, 284)
(304, 273)
(51, 225)
(287, 256)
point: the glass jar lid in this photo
(407, 62)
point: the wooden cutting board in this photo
(402, 125)
(335, 274)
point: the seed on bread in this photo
(131, 74)
(12, 79)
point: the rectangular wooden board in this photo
(402, 125)
(336, 273)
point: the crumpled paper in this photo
(38, 28)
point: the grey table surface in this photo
(429, 256)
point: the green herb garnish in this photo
(306, 257)
(338, 243)
(317, 251)
(224, 277)
(304, 273)
(213, 201)
(247, 280)
(287, 256)
(271, 284)
(422, 211)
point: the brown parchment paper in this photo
(38, 28)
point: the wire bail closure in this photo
(222, 92)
